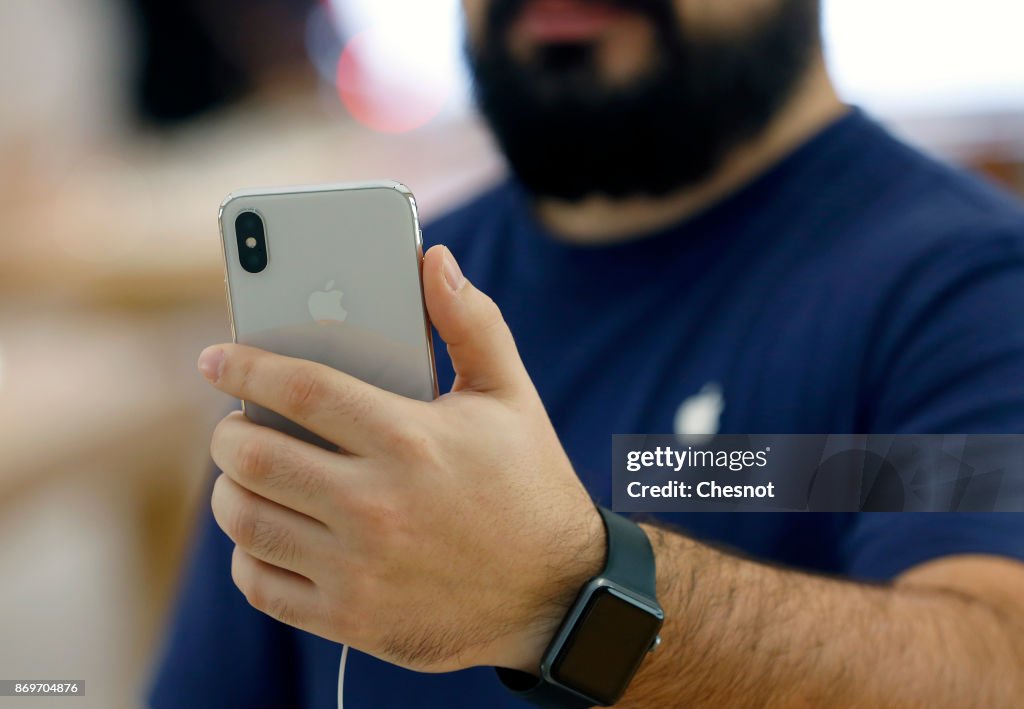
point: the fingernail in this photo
(210, 361)
(452, 273)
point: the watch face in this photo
(607, 645)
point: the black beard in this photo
(568, 134)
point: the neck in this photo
(596, 220)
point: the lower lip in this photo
(565, 20)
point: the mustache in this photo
(502, 13)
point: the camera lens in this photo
(252, 241)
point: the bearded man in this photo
(695, 229)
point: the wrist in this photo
(580, 557)
(593, 653)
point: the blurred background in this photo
(124, 123)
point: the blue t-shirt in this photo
(856, 287)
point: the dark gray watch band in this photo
(629, 561)
(538, 692)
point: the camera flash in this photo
(251, 242)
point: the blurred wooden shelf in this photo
(136, 224)
(82, 391)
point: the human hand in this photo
(440, 535)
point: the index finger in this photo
(335, 406)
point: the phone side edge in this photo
(224, 262)
(427, 325)
(410, 200)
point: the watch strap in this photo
(629, 561)
(540, 693)
(630, 558)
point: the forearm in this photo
(740, 633)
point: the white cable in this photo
(341, 677)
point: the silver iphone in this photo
(330, 273)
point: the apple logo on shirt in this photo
(697, 418)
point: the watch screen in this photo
(606, 647)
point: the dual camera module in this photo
(252, 241)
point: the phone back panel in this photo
(341, 286)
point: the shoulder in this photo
(921, 207)
(938, 258)
(911, 228)
(929, 229)
(911, 273)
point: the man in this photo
(693, 214)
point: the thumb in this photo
(479, 342)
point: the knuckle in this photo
(243, 370)
(416, 446)
(219, 432)
(410, 442)
(244, 523)
(358, 405)
(260, 537)
(254, 591)
(245, 577)
(492, 320)
(220, 500)
(219, 441)
(273, 543)
(303, 391)
(254, 458)
(379, 518)
(303, 478)
(384, 521)
(281, 609)
(251, 580)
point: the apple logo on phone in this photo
(325, 305)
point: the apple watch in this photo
(607, 633)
